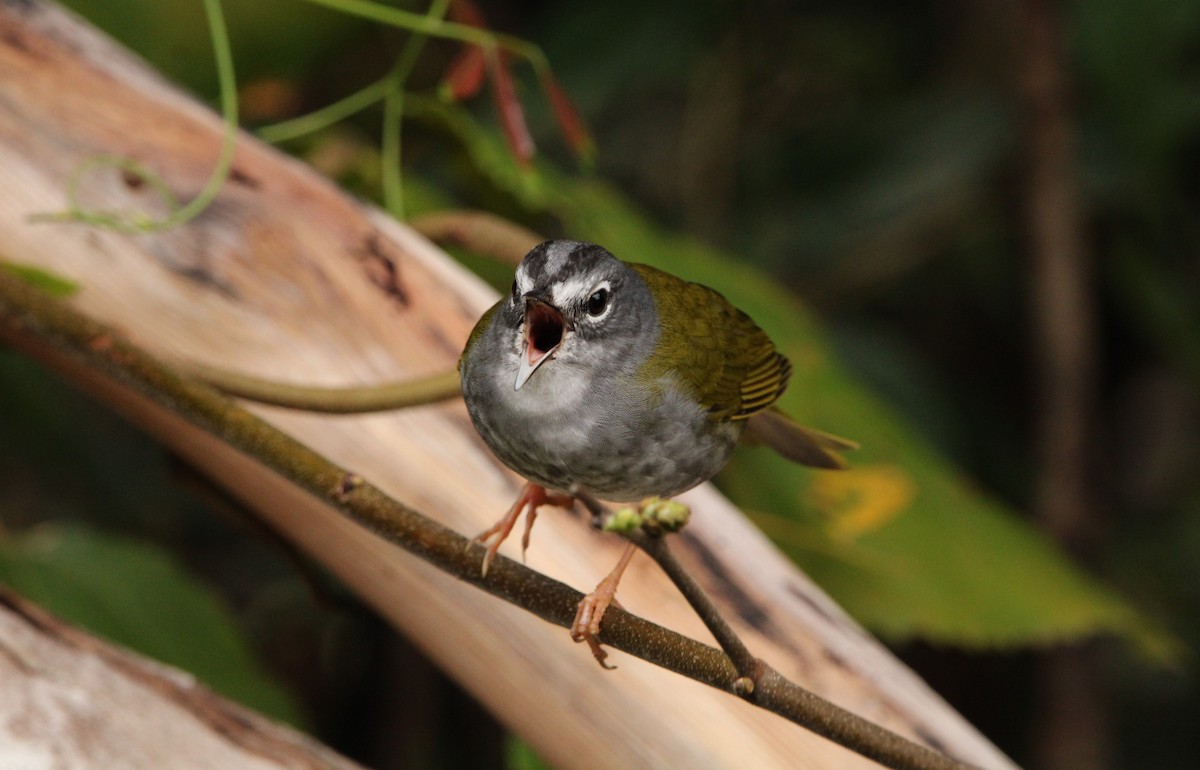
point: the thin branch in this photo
(1072, 700)
(748, 665)
(51, 329)
(760, 684)
(1062, 306)
(479, 231)
(654, 544)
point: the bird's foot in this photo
(531, 498)
(591, 609)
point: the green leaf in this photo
(519, 755)
(133, 594)
(46, 281)
(901, 540)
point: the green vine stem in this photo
(393, 114)
(478, 231)
(437, 27)
(342, 400)
(51, 330)
(140, 223)
(314, 121)
(389, 89)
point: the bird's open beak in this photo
(544, 330)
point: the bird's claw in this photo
(597, 651)
(588, 615)
(531, 498)
(591, 609)
(493, 536)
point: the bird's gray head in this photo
(578, 304)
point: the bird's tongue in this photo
(543, 334)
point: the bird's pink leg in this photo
(531, 498)
(592, 607)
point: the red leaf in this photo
(464, 77)
(467, 12)
(579, 139)
(509, 109)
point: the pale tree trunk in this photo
(69, 700)
(287, 278)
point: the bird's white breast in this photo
(550, 405)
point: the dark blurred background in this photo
(991, 207)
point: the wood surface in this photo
(70, 700)
(285, 277)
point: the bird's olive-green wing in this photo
(477, 332)
(713, 348)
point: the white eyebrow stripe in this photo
(578, 288)
(524, 282)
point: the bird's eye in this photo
(598, 302)
(514, 291)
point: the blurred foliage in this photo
(134, 594)
(867, 158)
(519, 756)
(280, 38)
(59, 486)
(48, 282)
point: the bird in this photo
(598, 378)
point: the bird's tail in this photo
(797, 443)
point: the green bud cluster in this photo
(654, 514)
